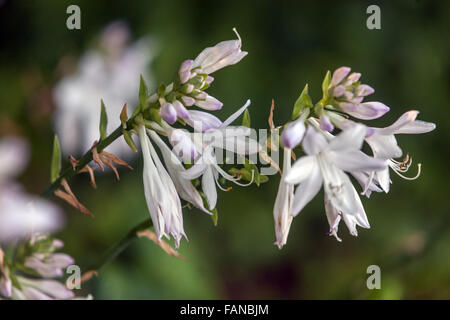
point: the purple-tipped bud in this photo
(293, 134)
(353, 77)
(209, 79)
(168, 113)
(188, 101)
(182, 112)
(348, 95)
(339, 91)
(201, 95)
(325, 123)
(364, 90)
(186, 66)
(339, 75)
(347, 107)
(188, 88)
(367, 110)
(209, 103)
(184, 76)
(185, 71)
(371, 110)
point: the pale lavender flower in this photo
(384, 145)
(325, 164)
(160, 193)
(282, 213)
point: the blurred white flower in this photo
(20, 212)
(110, 72)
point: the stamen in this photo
(237, 34)
(419, 166)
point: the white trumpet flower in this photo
(283, 203)
(160, 193)
(234, 139)
(325, 164)
(185, 188)
(384, 146)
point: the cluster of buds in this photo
(346, 93)
(193, 79)
(328, 157)
(31, 273)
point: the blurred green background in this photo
(289, 44)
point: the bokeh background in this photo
(289, 44)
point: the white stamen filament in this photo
(401, 167)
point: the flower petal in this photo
(301, 170)
(355, 160)
(350, 138)
(384, 147)
(209, 188)
(314, 141)
(307, 190)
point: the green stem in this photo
(70, 172)
(121, 245)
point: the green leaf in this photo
(246, 119)
(103, 121)
(215, 216)
(129, 140)
(325, 85)
(56, 161)
(303, 102)
(143, 92)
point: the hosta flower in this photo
(223, 137)
(160, 193)
(348, 94)
(325, 164)
(185, 188)
(20, 212)
(384, 145)
(283, 203)
(221, 55)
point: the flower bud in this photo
(364, 90)
(188, 101)
(339, 91)
(293, 134)
(182, 112)
(325, 123)
(168, 113)
(369, 110)
(339, 75)
(209, 79)
(209, 103)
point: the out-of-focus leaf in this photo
(56, 160)
(103, 121)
